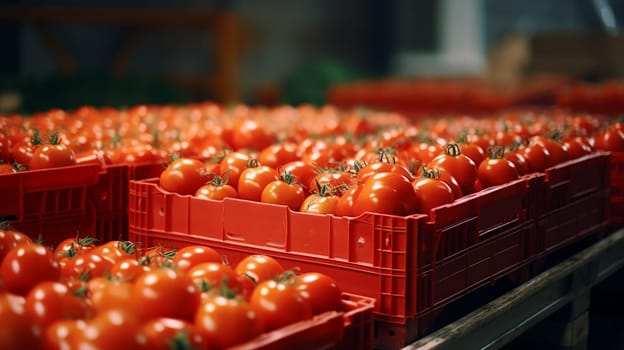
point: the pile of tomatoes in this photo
(117, 295)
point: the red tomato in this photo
(170, 333)
(227, 322)
(336, 182)
(321, 292)
(496, 170)
(519, 161)
(52, 156)
(209, 277)
(165, 293)
(461, 167)
(86, 266)
(558, 152)
(183, 176)
(115, 251)
(216, 189)
(578, 147)
(610, 139)
(25, 266)
(18, 330)
(447, 178)
(278, 154)
(386, 193)
(279, 304)
(537, 157)
(321, 203)
(232, 165)
(302, 171)
(106, 294)
(9, 239)
(259, 268)
(254, 179)
(431, 193)
(109, 330)
(249, 134)
(60, 334)
(344, 206)
(128, 269)
(284, 191)
(473, 151)
(73, 246)
(192, 255)
(8, 169)
(49, 301)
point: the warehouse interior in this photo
(68, 54)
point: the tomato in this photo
(128, 269)
(115, 250)
(496, 170)
(210, 276)
(519, 161)
(106, 294)
(386, 193)
(321, 292)
(60, 334)
(8, 168)
(431, 193)
(183, 176)
(22, 152)
(25, 266)
(278, 304)
(610, 139)
(232, 165)
(227, 322)
(578, 147)
(302, 172)
(18, 330)
(192, 255)
(278, 154)
(254, 179)
(446, 177)
(109, 330)
(558, 152)
(170, 333)
(537, 157)
(321, 203)
(10, 238)
(49, 301)
(52, 155)
(86, 266)
(250, 134)
(73, 246)
(461, 167)
(473, 151)
(284, 191)
(336, 182)
(259, 268)
(216, 189)
(165, 293)
(344, 206)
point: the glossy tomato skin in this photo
(344, 206)
(259, 267)
(161, 333)
(18, 331)
(232, 165)
(431, 193)
(192, 255)
(463, 169)
(27, 265)
(165, 293)
(211, 275)
(284, 193)
(49, 301)
(321, 292)
(578, 147)
(11, 238)
(216, 192)
(610, 139)
(129, 269)
(386, 193)
(183, 176)
(519, 161)
(226, 322)
(537, 157)
(87, 265)
(52, 156)
(278, 154)
(62, 333)
(106, 294)
(109, 330)
(319, 204)
(497, 171)
(279, 304)
(303, 172)
(253, 180)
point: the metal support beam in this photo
(511, 315)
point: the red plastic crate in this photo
(616, 195)
(575, 204)
(351, 328)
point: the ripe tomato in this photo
(259, 268)
(75, 245)
(232, 165)
(86, 266)
(25, 266)
(183, 176)
(52, 155)
(128, 269)
(249, 134)
(165, 293)
(446, 177)
(216, 189)
(209, 277)
(335, 182)
(537, 157)
(610, 139)
(381, 167)
(344, 206)
(519, 161)
(496, 170)
(321, 292)
(321, 203)
(386, 193)
(50, 301)
(254, 179)
(558, 152)
(278, 154)
(106, 294)
(192, 255)
(60, 334)
(578, 147)
(278, 304)
(109, 330)
(431, 193)
(461, 167)
(302, 171)
(8, 168)
(284, 191)
(227, 322)
(10, 238)
(115, 251)
(473, 151)
(18, 330)
(170, 333)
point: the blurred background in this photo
(63, 54)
